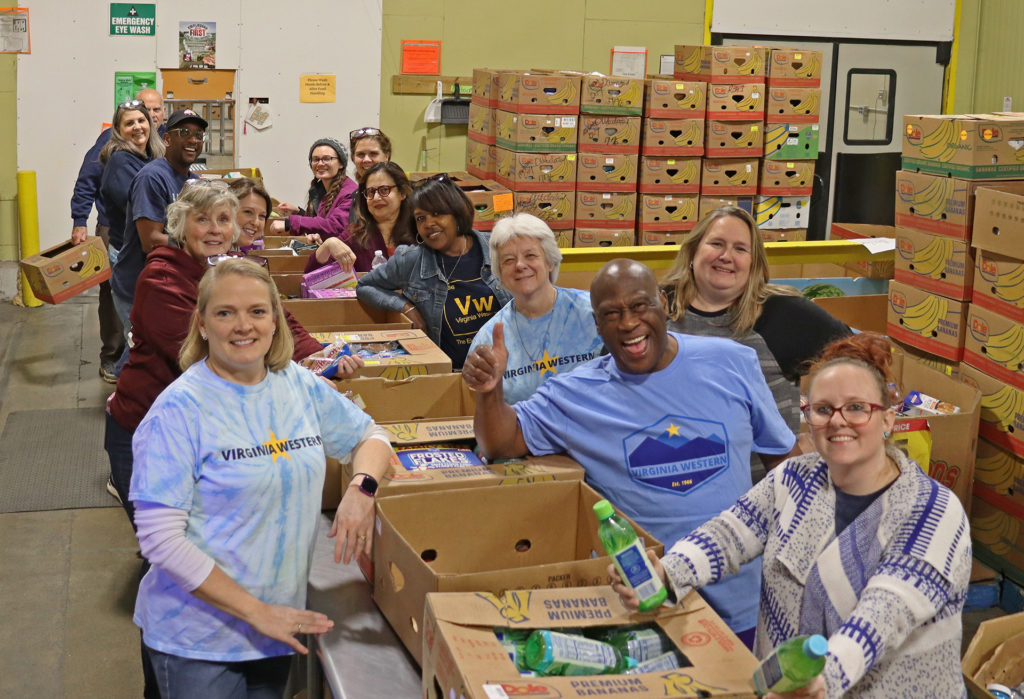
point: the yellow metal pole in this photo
(954, 62)
(28, 215)
(709, 6)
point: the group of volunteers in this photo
(681, 399)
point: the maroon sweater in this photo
(165, 299)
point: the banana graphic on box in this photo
(751, 103)
(810, 68)
(689, 135)
(624, 172)
(631, 96)
(996, 531)
(560, 172)
(923, 318)
(931, 260)
(627, 134)
(940, 144)
(561, 135)
(809, 104)
(686, 211)
(1006, 348)
(626, 205)
(692, 60)
(766, 209)
(1010, 287)
(566, 94)
(931, 201)
(93, 262)
(996, 469)
(752, 66)
(689, 101)
(687, 174)
(1002, 407)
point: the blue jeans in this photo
(185, 678)
(118, 443)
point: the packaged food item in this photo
(921, 404)
(436, 456)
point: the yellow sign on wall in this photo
(316, 88)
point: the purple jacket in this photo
(330, 223)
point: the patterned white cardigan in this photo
(887, 593)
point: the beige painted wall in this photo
(997, 53)
(570, 35)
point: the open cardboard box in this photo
(58, 273)
(514, 537)
(462, 657)
(338, 315)
(423, 356)
(1001, 641)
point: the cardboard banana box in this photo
(729, 176)
(995, 345)
(611, 94)
(605, 209)
(934, 263)
(791, 141)
(999, 469)
(481, 159)
(730, 102)
(927, 321)
(971, 146)
(607, 172)
(536, 133)
(794, 68)
(662, 237)
(482, 123)
(669, 175)
(604, 237)
(792, 105)
(609, 134)
(673, 137)
(721, 64)
(538, 93)
(733, 139)
(784, 235)
(772, 213)
(786, 178)
(58, 273)
(675, 99)
(1002, 409)
(999, 284)
(940, 205)
(554, 208)
(998, 535)
(998, 222)
(526, 172)
(668, 212)
(710, 202)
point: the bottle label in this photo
(581, 655)
(645, 644)
(636, 570)
(659, 663)
(768, 674)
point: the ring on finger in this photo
(361, 537)
(298, 628)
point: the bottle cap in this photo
(603, 509)
(816, 646)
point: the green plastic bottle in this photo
(629, 556)
(641, 644)
(792, 665)
(553, 653)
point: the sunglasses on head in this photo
(215, 260)
(365, 131)
(442, 178)
(202, 182)
(131, 104)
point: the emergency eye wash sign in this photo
(132, 19)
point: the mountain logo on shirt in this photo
(677, 453)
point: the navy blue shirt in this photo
(121, 169)
(87, 186)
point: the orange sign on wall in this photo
(421, 57)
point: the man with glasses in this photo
(85, 195)
(664, 424)
(153, 189)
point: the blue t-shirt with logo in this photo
(671, 449)
(544, 347)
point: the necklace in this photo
(447, 274)
(534, 356)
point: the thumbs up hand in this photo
(485, 365)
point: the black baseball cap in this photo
(183, 115)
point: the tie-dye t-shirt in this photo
(247, 463)
(539, 348)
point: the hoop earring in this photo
(419, 240)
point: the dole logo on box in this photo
(653, 202)
(906, 248)
(989, 272)
(906, 191)
(656, 126)
(990, 134)
(979, 329)
(780, 58)
(720, 91)
(530, 83)
(913, 134)
(898, 302)
(588, 199)
(588, 160)
(530, 690)
(778, 94)
(530, 121)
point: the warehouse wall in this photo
(571, 35)
(8, 157)
(991, 56)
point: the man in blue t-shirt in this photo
(153, 189)
(664, 424)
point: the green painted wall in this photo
(8, 157)
(568, 35)
(999, 54)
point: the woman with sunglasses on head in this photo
(368, 146)
(859, 545)
(445, 284)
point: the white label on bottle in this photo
(768, 673)
(637, 571)
(660, 663)
(646, 645)
(581, 653)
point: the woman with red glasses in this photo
(858, 543)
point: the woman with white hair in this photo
(547, 330)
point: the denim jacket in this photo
(413, 270)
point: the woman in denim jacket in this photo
(445, 284)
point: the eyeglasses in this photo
(365, 131)
(855, 412)
(316, 159)
(185, 134)
(384, 190)
(203, 182)
(131, 104)
(215, 260)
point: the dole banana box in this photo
(882, 269)
(1000, 470)
(482, 124)
(611, 94)
(934, 263)
(58, 273)
(536, 133)
(1002, 409)
(772, 212)
(731, 102)
(605, 210)
(609, 134)
(721, 64)
(482, 80)
(786, 178)
(662, 237)
(784, 235)
(676, 137)
(999, 284)
(603, 237)
(538, 93)
(669, 174)
(710, 202)
(936, 204)
(554, 208)
(972, 146)
(927, 321)
(675, 99)
(607, 172)
(794, 68)
(564, 237)
(729, 176)
(733, 139)
(481, 159)
(791, 141)
(999, 218)
(668, 212)
(462, 656)
(998, 541)
(538, 535)
(792, 105)
(491, 201)
(995, 345)
(524, 172)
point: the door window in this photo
(870, 96)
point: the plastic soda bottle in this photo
(553, 653)
(378, 259)
(659, 663)
(641, 644)
(792, 665)
(629, 556)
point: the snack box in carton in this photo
(791, 141)
(58, 273)
(422, 356)
(865, 268)
(284, 261)
(999, 469)
(927, 321)
(938, 205)
(934, 263)
(784, 235)
(721, 64)
(675, 99)
(482, 123)
(731, 102)
(1002, 409)
(600, 133)
(998, 222)
(999, 641)
(533, 536)
(786, 178)
(611, 94)
(669, 174)
(999, 284)
(330, 276)
(733, 139)
(605, 210)
(607, 172)
(526, 172)
(971, 146)
(338, 315)
(672, 137)
(792, 105)
(730, 176)
(710, 202)
(538, 93)
(995, 345)
(232, 173)
(536, 133)
(554, 208)
(781, 212)
(668, 212)
(662, 237)
(604, 237)
(462, 656)
(794, 68)
(481, 159)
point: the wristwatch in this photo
(368, 486)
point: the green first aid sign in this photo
(132, 19)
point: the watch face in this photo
(369, 485)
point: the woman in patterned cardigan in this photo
(859, 544)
